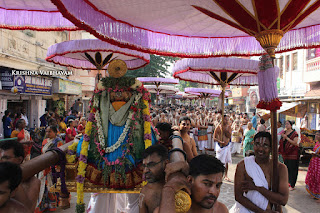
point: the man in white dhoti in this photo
(210, 120)
(222, 139)
(202, 132)
(253, 180)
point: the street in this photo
(299, 199)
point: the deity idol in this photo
(117, 132)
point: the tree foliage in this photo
(185, 84)
(158, 67)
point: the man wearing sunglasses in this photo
(155, 159)
(253, 179)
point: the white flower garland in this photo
(101, 134)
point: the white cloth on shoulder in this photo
(259, 179)
(224, 153)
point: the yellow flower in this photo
(71, 158)
(147, 124)
(88, 128)
(147, 143)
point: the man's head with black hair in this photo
(12, 151)
(165, 130)
(204, 165)
(262, 145)
(185, 124)
(155, 159)
(10, 178)
(205, 176)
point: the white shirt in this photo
(280, 129)
(24, 117)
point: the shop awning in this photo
(294, 109)
(313, 93)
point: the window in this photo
(294, 61)
(311, 53)
(281, 67)
(287, 63)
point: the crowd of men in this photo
(203, 133)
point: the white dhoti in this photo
(235, 147)
(256, 173)
(107, 203)
(133, 200)
(223, 154)
(202, 145)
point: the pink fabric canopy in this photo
(162, 89)
(203, 92)
(186, 95)
(196, 28)
(158, 81)
(33, 15)
(182, 28)
(201, 70)
(71, 53)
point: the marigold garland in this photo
(71, 153)
(147, 124)
(82, 168)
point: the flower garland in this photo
(71, 153)
(80, 208)
(147, 124)
(101, 134)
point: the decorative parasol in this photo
(187, 96)
(156, 81)
(40, 15)
(203, 93)
(72, 54)
(162, 89)
(197, 28)
(93, 54)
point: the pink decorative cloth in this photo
(313, 175)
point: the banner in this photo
(33, 85)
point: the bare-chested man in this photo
(223, 152)
(203, 183)
(28, 191)
(202, 124)
(189, 145)
(155, 159)
(10, 178)
(253, 179)
(244, 121)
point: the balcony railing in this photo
(313, 64)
